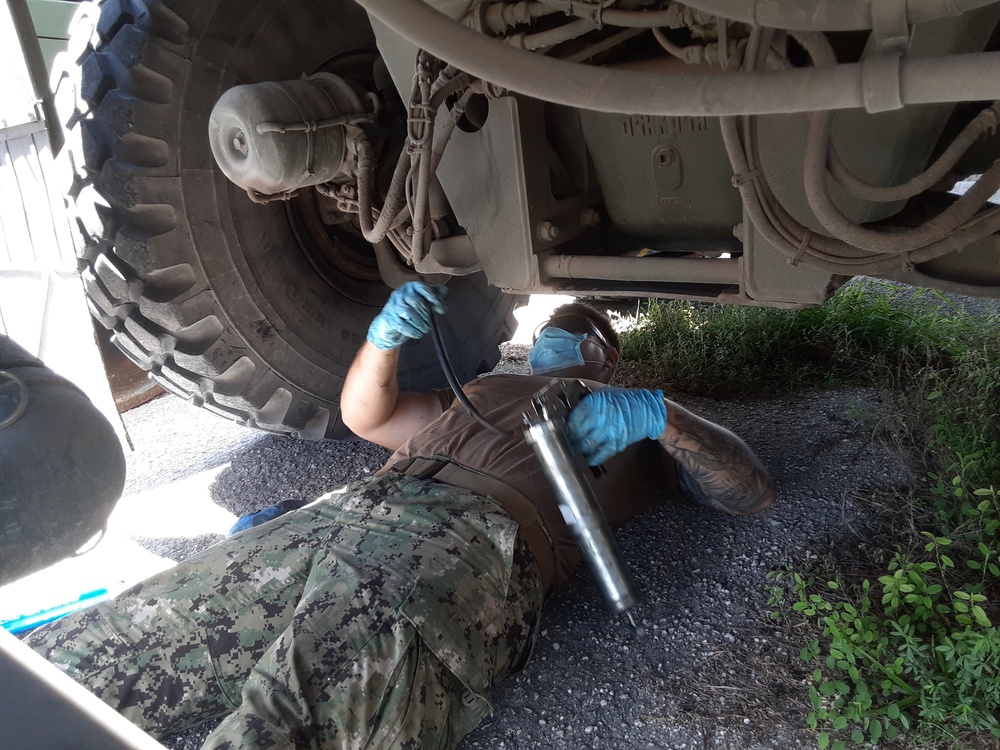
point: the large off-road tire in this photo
(229, 304)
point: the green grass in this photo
(727, 351)
(910, 653)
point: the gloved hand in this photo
(609, 420)
(263, 516)
(407, 314)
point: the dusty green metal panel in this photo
(52, 20)
(665, 179)
(52, 17)
(19, 15)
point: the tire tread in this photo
(119, 87)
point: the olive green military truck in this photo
(251, 177)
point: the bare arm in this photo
(717, 467)
(374, 408)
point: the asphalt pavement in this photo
(710, 671)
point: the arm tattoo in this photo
(716, 467)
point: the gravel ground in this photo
(711, 670)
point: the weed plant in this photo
(911, 654)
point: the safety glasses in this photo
(572, 324)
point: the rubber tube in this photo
(818, 197)
(799, 243)
(421, 130)
(456, 387)
(375, 231)
(796, 241)
(826, 15)
(815, 175)
(366, 181)
(973, 77)
(395, 198)
(552, 37)
(674, 49)
(456, 114)
(765, 212)
(986, 120)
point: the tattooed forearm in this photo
(717, 467)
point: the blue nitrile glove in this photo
(609, 420)
(263, 516)
(407, 314)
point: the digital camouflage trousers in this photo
(377, 617)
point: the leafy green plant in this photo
(857, 688)
(905, 654)
(917, 650)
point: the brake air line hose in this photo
(985, 121)
(456, 387)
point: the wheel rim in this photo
(341, 258)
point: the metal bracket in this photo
(881, 83)
(880, 71)
(890, 27)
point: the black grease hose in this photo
(449, 374)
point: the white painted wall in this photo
(42, 304)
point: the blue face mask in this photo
(556, 349)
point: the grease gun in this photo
(546, 432)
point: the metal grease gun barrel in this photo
(546, 431)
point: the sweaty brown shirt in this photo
(637, 479)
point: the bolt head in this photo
(240, 143)
(547, 231)
(590, 217)
(665, 156)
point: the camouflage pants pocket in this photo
(393, 692)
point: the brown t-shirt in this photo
(637, 479)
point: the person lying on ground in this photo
(381, 615)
